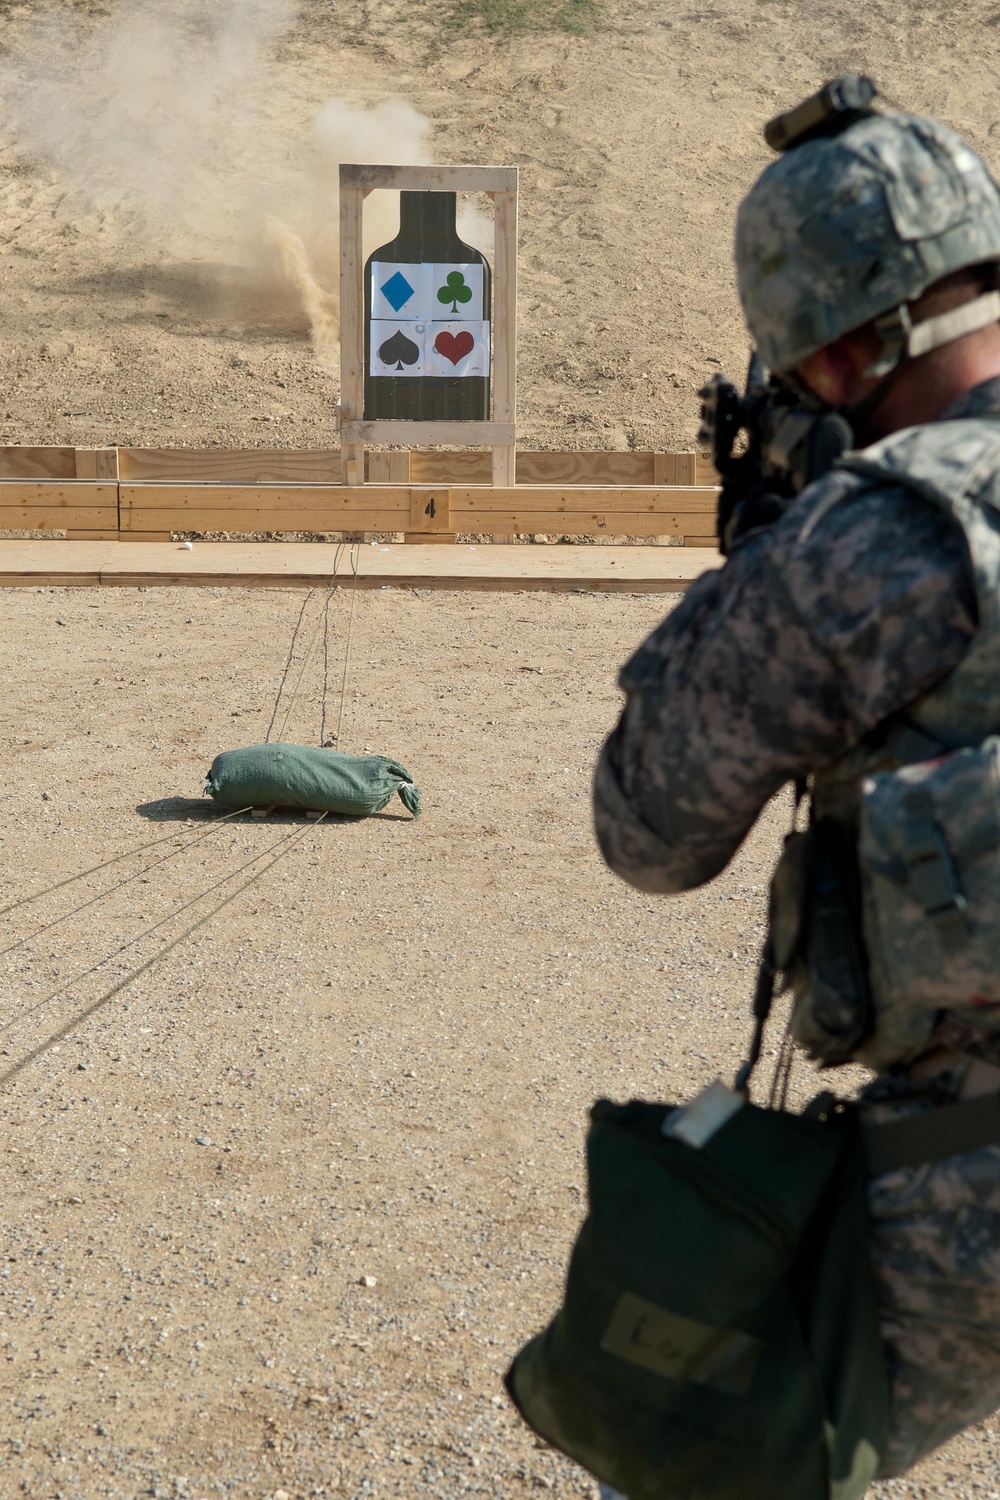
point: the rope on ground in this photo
(10, 1073)
(288, 664)
(322, 624)
(84, 973)
(110, 890)
(326, 669)
(107, 863)
(350, 637)
(307, 658)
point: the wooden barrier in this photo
(231, 466)
(322, 466)
(132, 493)
(153, 511)
(83, 511)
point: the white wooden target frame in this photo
(500, 184)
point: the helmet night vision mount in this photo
(837, 105)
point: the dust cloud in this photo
(159, 123)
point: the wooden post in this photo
(505, 336)
(685, 466)
(97, 463)
(352, 342)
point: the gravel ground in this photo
(278, 1213)
(376, 1063)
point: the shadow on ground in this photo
(191, 810)
(179, 810)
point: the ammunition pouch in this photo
(929, 856)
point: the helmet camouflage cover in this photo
(839, 230)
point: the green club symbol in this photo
(455, 291)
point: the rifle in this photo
(785, 446)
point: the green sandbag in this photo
(306, 776)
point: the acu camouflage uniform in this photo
(861, 602)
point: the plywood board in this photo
(37, 463)
(68, 560)
(579, 500)
(231, 561)
(231, 466)
(388, 468)
(604, 569)
(55, 495)
(451, 468)
(595, 467)
(319, 499)
(322, 466)
(254, 522)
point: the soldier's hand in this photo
(743, 510)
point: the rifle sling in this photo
(934, 1135)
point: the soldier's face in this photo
(836, 373)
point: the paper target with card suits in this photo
(426, 292)
(397, 348)
(457, 348)
(441, 349)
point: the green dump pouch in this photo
(929, 855)
(719, 1336)
(306, 776)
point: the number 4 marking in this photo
(429, 508)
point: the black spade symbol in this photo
(399, 351)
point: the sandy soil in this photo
(375, 1063)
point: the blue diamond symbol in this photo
(397, 291)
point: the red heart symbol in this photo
(454, 346)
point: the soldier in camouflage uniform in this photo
(867, 267)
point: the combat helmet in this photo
(850, 226)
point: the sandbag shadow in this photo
(201, 810)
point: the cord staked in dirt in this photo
(288, 841)
(84, 973)
(111, 889)
(107, 863)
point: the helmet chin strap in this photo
(900, 335)
(903, 341)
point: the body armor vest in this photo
(835, 932)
